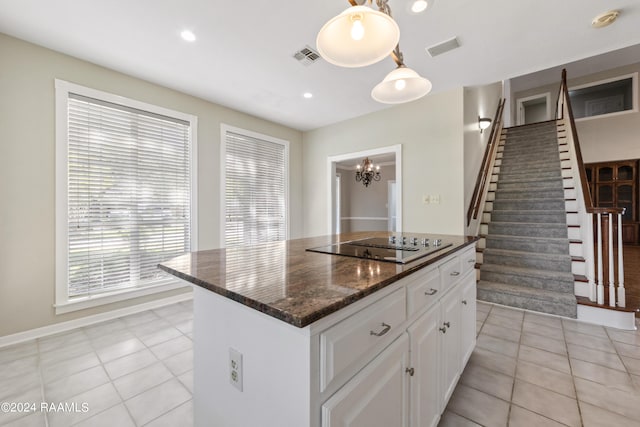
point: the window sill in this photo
(82, 303)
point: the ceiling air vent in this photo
(306, 56)
(443, 47)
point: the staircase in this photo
(526, 260)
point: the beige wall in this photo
(27, 198)
(602, 138)
(478, 101)
(431, 133)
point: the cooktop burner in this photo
(399, 250)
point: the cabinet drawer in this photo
(346, 344)
(450, 272)
(468, 260)
(423, 291)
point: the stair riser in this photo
(530, 171)
(529, 186)
(557, 193)
(548, 230)
(561, 264)
(511, 150)
(530, 281)
(515, 244)
(519, 175)
(506, 216)
(565, 310)
(528, 205)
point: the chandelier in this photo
(366, 173)
(362, 36)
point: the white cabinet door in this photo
(425, 340)
(467, 318)
(377, 395)
(449, 328)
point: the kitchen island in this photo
(288, 337)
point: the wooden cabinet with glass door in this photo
(615, 184)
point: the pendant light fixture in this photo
(361, 36)
(357, 37)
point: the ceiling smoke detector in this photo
(306, 56)
(605, 19)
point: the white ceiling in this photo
(243, 55)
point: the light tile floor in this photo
(132, 371)
(527, 370)
(534, 370)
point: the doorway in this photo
(376, 207)
(533, 109)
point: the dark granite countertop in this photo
(287, 282)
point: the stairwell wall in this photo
(478, 101)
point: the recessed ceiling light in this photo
(188, 36)
(419, 6)
(605, 19)
(308, 95)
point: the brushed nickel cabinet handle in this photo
(447, 324)
(471, 260)
(455, 273)
(410, 371)
(443, 330)
(464, 301)
(431, 292)
(385, 329)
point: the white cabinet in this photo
(377, 395)
(450, 344)
(425, 360)
(467, 317)
(441, 335)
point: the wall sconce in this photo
(483, 123)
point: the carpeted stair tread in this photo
(523, 204)
(529, 229)
(533, 193)
(557, 281)
(559, 303)
(523, 259)
(529, 272)
(529, 216)
(552, 245)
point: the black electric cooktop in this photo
(400, 251)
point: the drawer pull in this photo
(431, 292)
(385, 329)
(471, 260)
(447, 324)
(410, 371)
(443, 330)
(455, 273)
(464, 301)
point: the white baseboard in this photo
(90, 320)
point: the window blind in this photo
(255, 193)
(128, 195)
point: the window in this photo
(605, 97)
(255, 187)
(125, 185)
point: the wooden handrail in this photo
(483, 173)
(564, 92)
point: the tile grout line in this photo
(573, 378)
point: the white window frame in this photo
(224, 128)
(64, 304)
(634, 95)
